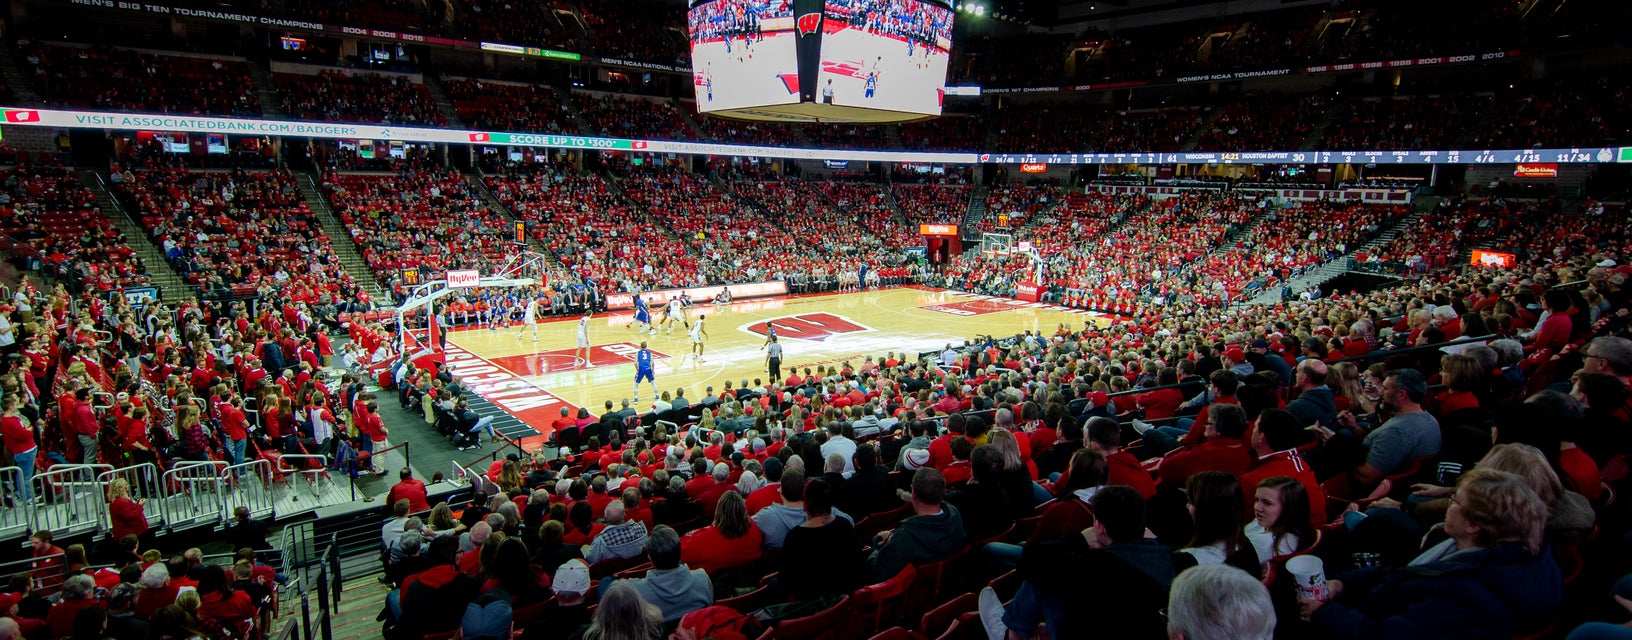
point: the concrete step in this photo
(339, 238)
(170, 283)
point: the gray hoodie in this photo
(777, 520)
(676, 591)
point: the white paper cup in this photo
(1310, 575)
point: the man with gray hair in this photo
(78, 593)
(669, 584)
(620, 539)
(1611, 355)
(1004, 419)
(1219, 602)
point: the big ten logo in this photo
(807, 326)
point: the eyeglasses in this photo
(1453, 500)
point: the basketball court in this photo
(534, 380)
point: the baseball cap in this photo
(1260, 344)
(1099, 398)
(572, 577)
(915, 459)
(1235, 354)
(9, 600)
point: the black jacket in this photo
(1127, 582)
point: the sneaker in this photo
(991, 615)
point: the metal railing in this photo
(311, 474)
(144, 484)
(195, 493)
(15, 518)
(48, 572)
(68, 499)
(352, 470)
(253, 481)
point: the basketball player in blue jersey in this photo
(872, 83)
(643, 316)
(643, 371)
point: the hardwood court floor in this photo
(813, 330)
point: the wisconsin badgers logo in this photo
(807, 326)
(809, 23)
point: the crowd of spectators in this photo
(932, 202)
(950, 132)
(504, 106)
(1288, 241)
(871, 137)
(343, 96)
(632, 117)
(1416, 122)
(1557, 113)
(1050, 127)
(638, 30)
(1160, 428)
(241, 231)
(107, 78)
(746, 132)
(48, 209)
(1158, 130)
(427, 219)
(1270, 122)
(586, 225)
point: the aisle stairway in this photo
(439, 97)
(339, 238)
(492, 202)
(170, 283)
(271, 104)
(16, 80)
(972, 216)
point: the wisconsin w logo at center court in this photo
(807, 326)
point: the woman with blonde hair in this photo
(124, 514)
(1492, 578)
(1462, 376)
(624, 615)
(1018, 475)
(1350, 390)
(442, 521)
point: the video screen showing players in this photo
(743, 53)
(890, 54)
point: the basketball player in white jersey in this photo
(697, 336)
(530, 318)
(583, 342)
(675, 311)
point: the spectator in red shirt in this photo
(731, 541)
(940, 449)
(85, 425)
(1162, 403)
(47, 566)
(711, 496)
(127, 516)
(1554, 332)
(1105, 438)
(959, 470)
(1224, 449)
(411, 489)
(232, 425)
(78, 593)
(1275, 439)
